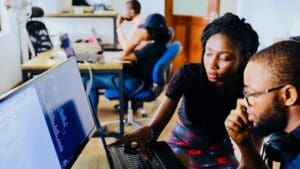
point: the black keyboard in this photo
(137, 162)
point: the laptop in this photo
(106, 46)
(81, 56)
(47, 122)
(159, 153)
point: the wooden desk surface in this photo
(54, 57)
(71, 14)
(92, 156)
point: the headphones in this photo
(283, 147)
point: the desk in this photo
(109, 14)
(92, 156)
(53, 57)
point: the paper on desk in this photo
(113, 57)
(59, 54)
(113, 53)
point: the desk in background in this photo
(54, 57)
(86, 26)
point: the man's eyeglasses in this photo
(256, 94)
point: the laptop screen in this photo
(97, 37)
(46, 122)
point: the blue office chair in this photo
(160, 76)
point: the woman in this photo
(209, 91)
(142, 60)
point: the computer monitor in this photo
(46, 122)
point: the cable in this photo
(90, 81)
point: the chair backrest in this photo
(39, 36)
(162, 67)
(38, 33)
(171, 33)
(36, 12)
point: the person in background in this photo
(209, 92)
(271, 105)
(132, 15)
(136, 37)
(142, 61)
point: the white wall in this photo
(273, 19)
(295, 27)
(10, 65)
(228, 6)
(148, 6)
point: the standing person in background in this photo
(271, 105)
(209, 92)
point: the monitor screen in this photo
(79, 3)
(46, 122)
(25, 141)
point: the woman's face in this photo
(221, 60)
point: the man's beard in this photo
(272, 121)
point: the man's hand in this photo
(237, 124)
(119, 21)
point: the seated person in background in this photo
(271, 104)
(142, 61)
(209, 92)
(136, 36)
(132, 15)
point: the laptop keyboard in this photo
(137, 162)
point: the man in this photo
(132, 15)
(271, 105)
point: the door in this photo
(188, 19)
